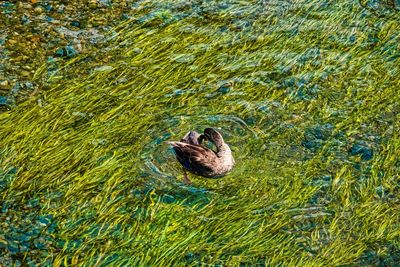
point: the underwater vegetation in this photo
(304, 92)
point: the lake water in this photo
(304, 92)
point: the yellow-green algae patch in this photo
(307, 95)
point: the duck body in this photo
(200, 160)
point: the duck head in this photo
(215, 137)
(223, 150)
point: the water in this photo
(305, 93)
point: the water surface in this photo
(304, 92)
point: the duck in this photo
(201, 160)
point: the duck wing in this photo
(191, 137)
(195, 158)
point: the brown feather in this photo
(195, 158)
(198, 159)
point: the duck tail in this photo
(176, 144)
(172, 143)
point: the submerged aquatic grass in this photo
(304, 92)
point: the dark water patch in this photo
(7, 177)
(381, 253)
(383, 192)
(224, 89)
(75, 23)
(361, 149)
(66, 52)
(322, 194)
(4, 101)
(315, 137)
(27, 235)
(301, 87)
(7, 7)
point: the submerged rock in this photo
(316, 136)
(66, 52)
(224, 89)
(3, 101)
(75, 23)
(363, 150)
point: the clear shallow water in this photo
(305, 93)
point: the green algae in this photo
(308, 104)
